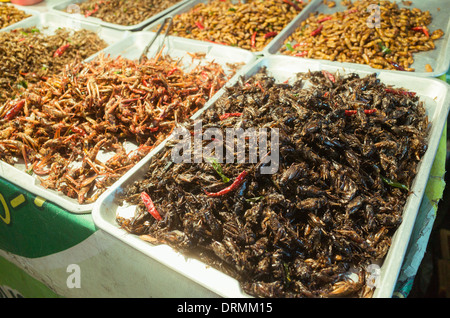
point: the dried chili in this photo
(270, 34)
(14, 110)
(171, 71)
(292, 4)
(301, 54)
(230, 188)
(366, 111)
(324, 19)
(398, 67)
(61, 50)
(150, 206)
(399, 92)
(422, 29)
(215, 42)
(317, 31)
(253, 39)
(227, 115)
(199, 25)
(91, 12)
(329, 76)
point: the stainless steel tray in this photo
(26, 9)
(189, 5)
(131, 46)
(439, 58)
(61, 6)
(433, 92)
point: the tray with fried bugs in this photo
(71, 136)
(250, 25)
(119, 15)
(325, 206)
(397, 36)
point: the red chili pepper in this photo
(350, 12)
(199, 25)
(300, 44)
(89, 13)
(329, 76)
(399, 92)
(230, 188)
(79, 131)
(215, 42)
(301, 54)
(204, 76)
(317, 31)
(253, 39)
(14, 110)
(150, 206)
(227, 115)
(172, 71)
(366, 111)
(26, 74)
(422, 29)
(270, 34)
(296, 7)
(61, 50)
(324, 19)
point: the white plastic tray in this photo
(130, 46)
(61, 6)
(439, 58)
(433, 92)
